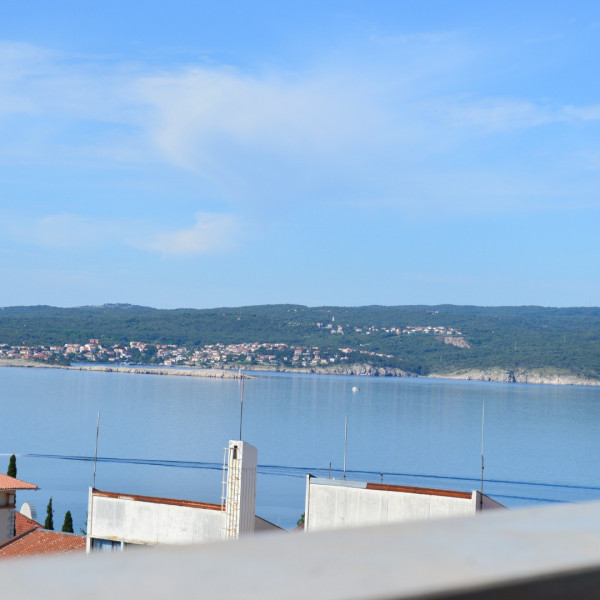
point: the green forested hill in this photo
(526, 337)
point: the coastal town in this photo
(220, 355)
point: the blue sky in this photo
(203, 154)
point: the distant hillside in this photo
(521, 338)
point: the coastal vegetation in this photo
(418, 340)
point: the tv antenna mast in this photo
(345, 443)
(96, 449)
(242, 377)
(482, 462)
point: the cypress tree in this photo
(12, 472)
(68, 524)
(49, 522)
(12, 466)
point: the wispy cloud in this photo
(201, 113)
(503, 114)
(63, 231)
(582, 113)
(383, 131)
(496, 114)
(211, 233)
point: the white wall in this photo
(241, 489)
(5, 524)
(332, 504)
(138, 522)
(7, 515)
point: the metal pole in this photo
(482, 463)
(345, 444)
(96, 450)
(242, 405)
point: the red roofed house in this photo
(23, 523)
(41, 541)
(8, 489)
(30, 537)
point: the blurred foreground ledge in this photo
(548, 552)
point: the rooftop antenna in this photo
(96, 450)
(345, 444)
(482, 464)
(242, 377)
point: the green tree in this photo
(12, 466)
(68, 524)
(49, 522)
(300, 521)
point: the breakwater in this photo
(137, 370)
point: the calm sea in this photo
(164, 436)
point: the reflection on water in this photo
(164, 436)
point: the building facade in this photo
(116, 520)
(333, 504)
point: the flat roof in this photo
(156, 500)
(419, 490)
(391, 488)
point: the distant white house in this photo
(116, 520)
(333, 504)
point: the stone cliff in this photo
(542, 376)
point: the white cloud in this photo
(62, 230)
(389, 131)
(503, 114)
(582, 113)
(210, 233)
(37, 81)
(201, 112)
(497, 114)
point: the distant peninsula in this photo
(527, 344)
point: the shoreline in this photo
(533, 377)
(134, 369)
(494, 375)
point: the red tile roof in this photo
(10, 483)
(155, 500)
(41, 541)
(23, 523)
(418, 490)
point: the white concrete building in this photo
(333, 504)
(118, 520)
(240, 495)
